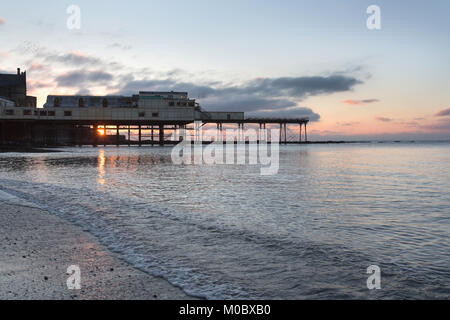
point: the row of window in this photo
(154, 114)
(81, 104)
(190, 104)
(10, 112)
(43, 113)
(57, 103)
(170, 96)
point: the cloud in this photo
(199, 91)
(2, 21)
(413, 124)
(383, 119)
(67, 59)
(37, 67)
(75, 79)
(443, 113)
(442, 125)
(359, 102)
(83, 92)
(247, 103)
(119, 46)
(276, 97)
(347, 124)
(301, 86)
(72, 58)
(34, 85)
(297, 112)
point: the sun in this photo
(101, 132)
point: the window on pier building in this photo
(171, 103)
(81, 102)
(155, 114)
(9, 112)
(105, 103)
(56, 102)
(141, 114)
(27, 112)
(67, 113)
(42, 113)
(51, 113)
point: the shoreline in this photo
(38, 247)
(24, 149)
(57, 148)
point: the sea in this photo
(314, 230)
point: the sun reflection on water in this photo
(101, 167)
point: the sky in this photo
(315, 59)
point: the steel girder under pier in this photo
(72, 132)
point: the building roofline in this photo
(155, 92)
(85, 96)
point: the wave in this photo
(210, 259)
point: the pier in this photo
(145, 118)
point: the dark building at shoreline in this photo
(13, 87)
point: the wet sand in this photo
(37, 248)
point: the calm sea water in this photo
(310, 231)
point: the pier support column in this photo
(306, 135)
(74, 135)
(71, 132)
(285, 133)
(161, 134)
(260, 133)
(95, 136)
(117, 135)
(2, 132)
(140, 135)
(218, 131)
(281, 133)
(30, 129)
(153, 136)
(129, 135)
(300, 135)
(78, 136)
(26, 135)
(104, 136)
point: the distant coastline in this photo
(47, 149)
